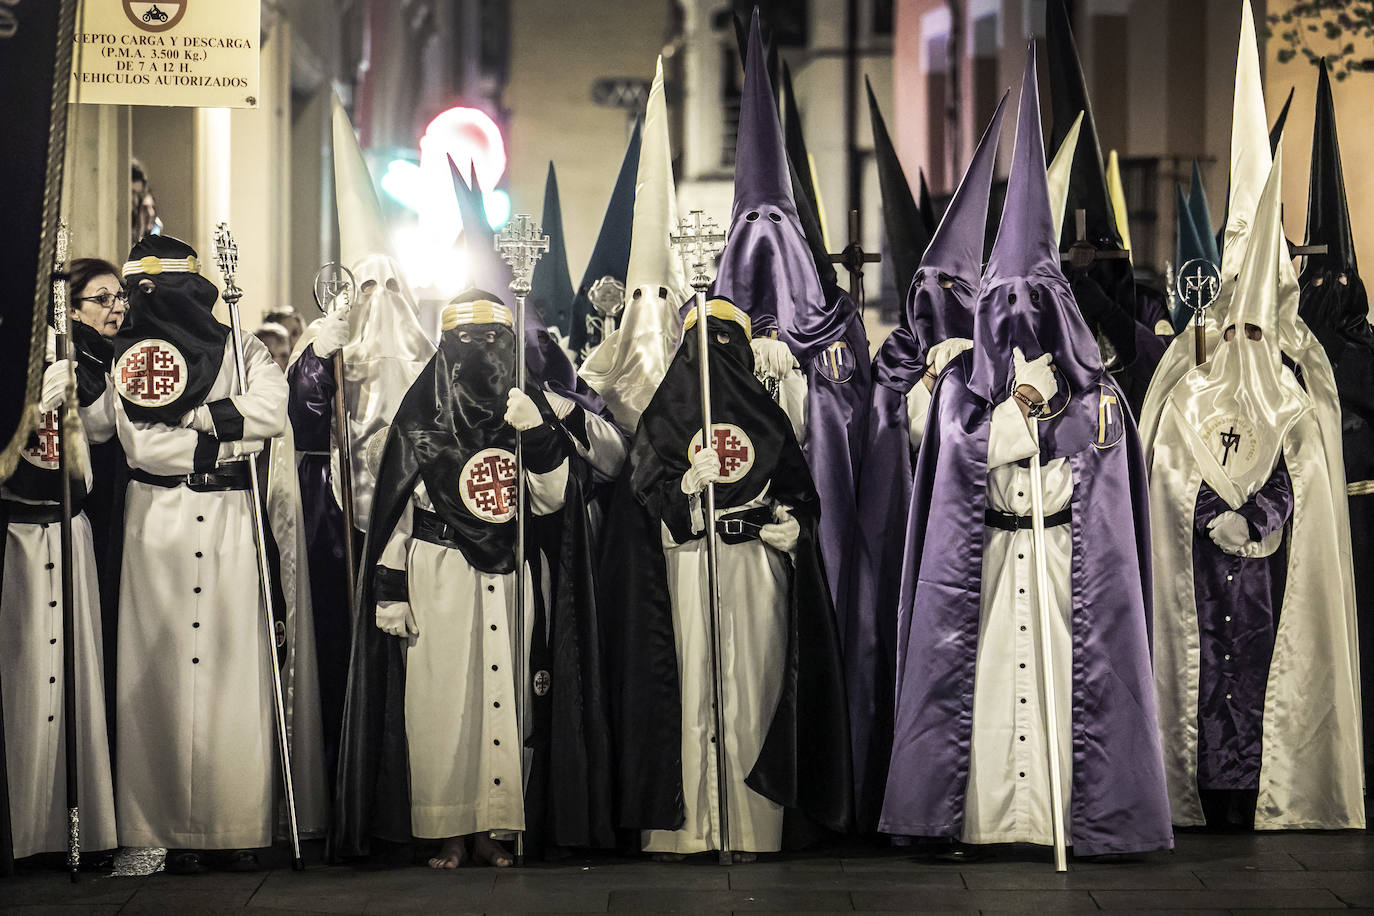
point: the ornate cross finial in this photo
(521, 244)
(227, 253)
(698, 241)
(1199, 282)
(335, 287)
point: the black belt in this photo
(17, 513)
(744, 525)
(428, 526)
(225, 477)
(1009, 521)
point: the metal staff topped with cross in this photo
(521, 244)
(699, 240)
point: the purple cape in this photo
(1118, 802)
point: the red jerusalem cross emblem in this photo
(151, 374)
(734, 449)
(45, 452)
(487, 485)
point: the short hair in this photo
(84, 270)
(270, 329)
(136, 172)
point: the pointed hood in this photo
(362, 230)
(629, 365)
(761, 174)
(1250, 156)
(939, 303)
(1202, 217)
(795, 142)
(1025, 300)
(1328, 213)
(1118, 197)
(611, 253)
(1187, 247)
(551, 292)
(1242, 402)
(926, 204)
(1068, 97)
(907, 237)
(1276, 132)
(768, 268)
(1058, 174)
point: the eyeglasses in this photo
(106, 300)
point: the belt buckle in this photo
(732, 526)
(197, 479)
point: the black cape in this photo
(805, 762)
(568, 791)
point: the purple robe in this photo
(310, 409)
(1118, 802)
(1236, 624)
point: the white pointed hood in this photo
(1058, 175)
(627, 367)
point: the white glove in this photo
(56, 378)
(772, 359)
(200, 420)
(705, 470)
(395, 618)
(939, 355)
(783, 533)
(243, 448)
(521, 411)
(1230, 531)
(561, 405)
(1036, 373)
(331, 332)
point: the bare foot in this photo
(668, 857)
(488, 851)
(451, 854)
(744, 858)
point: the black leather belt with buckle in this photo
(427, 526)
(225, 477)
(1009, 521)
(17, 513)
(744, 525)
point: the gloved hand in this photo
(783, 533)
(1037, 374)
(521, 411)
(772, 359)
(395, 618)
(243, 448)
(331, 332)
(56, 378)
(1230, 531)
(705, 470)
(939, 355)
(561, 405)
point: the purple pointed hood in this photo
(943, 291)
(766, 268)
(1026, 302)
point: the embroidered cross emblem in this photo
(490, 485)
(1229, 440)
(149, 373)
(734, 452)
(45, 453)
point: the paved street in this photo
(1206, 873)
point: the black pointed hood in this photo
(795, 140)
(1276, 132)
(927, 206)
(1069, 96)
(551, 290)
(1328, 212)
(907, 236)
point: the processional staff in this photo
(521, 243)
(336, 288)
(1198, 284)
(62, 329)
(228, 255)
(699, 240)
(853, 258)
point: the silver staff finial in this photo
(521, 244)
(698, 240)
(227, 253)
(1199, 282)
(335, 287)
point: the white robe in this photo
(196, 738)
(1008, 798)
(465, 768)
(31, 678)
(754, 614)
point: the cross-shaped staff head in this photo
(521, 243)
(1199, 283)
(698, 241)
(227, 253)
